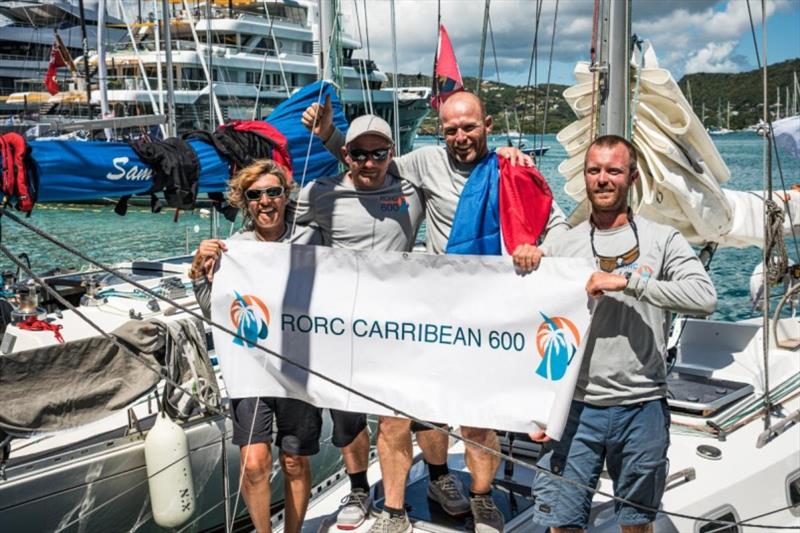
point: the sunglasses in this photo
(609, 263)
(271, 192)
(356, 154)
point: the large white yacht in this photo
(260, 53)
(27, 34)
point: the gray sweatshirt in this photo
(624, 361)
(441, 179)
(384, 219)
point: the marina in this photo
(117, 414)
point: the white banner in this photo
(456, 339)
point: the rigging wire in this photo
(772, 134)
(497, 75)
(389, 407)
(434, 79)
(363, 75)
(277, 51)
(531, 68)
(261, 75)
(483, 47)
(549, 72)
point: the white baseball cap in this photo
(368, 125)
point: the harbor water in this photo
(101, 234)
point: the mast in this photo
(728, 121)
(689, 93)
(615, 69)
(767, 196)
(778, 105)
(395, 95)
(102, 71)
(86, 59)
(159, 76)
(167, 30)
(210, 56)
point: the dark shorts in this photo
(299, 424)
(633, 442)
(346, 426)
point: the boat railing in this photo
(129, 83)
(181, 45)
(21, 57)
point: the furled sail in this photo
(681, 171)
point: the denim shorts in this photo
(631, 439)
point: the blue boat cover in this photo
(85, 170)
(286, 117)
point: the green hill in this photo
(525, 109)
(742, 90)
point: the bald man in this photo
(441, 173)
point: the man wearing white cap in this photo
(369, 208)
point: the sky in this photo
(688, 36)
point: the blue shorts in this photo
(631, 439)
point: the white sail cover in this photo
(681, 171)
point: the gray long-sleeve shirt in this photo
(441, 179)
(386, 218)
(625, 350)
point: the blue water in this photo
(98, 232)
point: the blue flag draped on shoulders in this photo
(476, 224)
(286, 117)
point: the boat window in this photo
(793, 492)
(726, 513)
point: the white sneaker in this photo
(354, 510)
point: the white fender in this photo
(169, 473)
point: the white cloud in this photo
(714, 57)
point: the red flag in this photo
(56, 60)
(447, 77)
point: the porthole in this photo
(726, 513)
(793, 492)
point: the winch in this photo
(25, 303)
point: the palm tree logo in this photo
(250, 317)
(557, 340)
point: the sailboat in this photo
(735, 426)
(734, 386)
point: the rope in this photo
(34, 324)
(389, 407)
(774, 247)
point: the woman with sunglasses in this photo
(261, 190)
